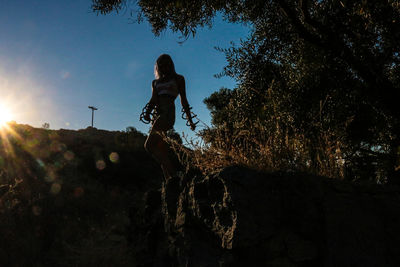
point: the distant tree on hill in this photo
(321, 78)
(131, 129)
(46, 125)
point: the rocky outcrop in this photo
(239, 217)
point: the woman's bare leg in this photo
(158, 148)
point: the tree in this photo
(310, 66)
(46, 125)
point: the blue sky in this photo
(58, 57)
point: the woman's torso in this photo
(167, 87)
(167, 91)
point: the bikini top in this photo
(167, 88)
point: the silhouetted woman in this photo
(165, 88)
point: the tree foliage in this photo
(319, 78)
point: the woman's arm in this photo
(184, 101)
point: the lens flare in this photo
(5, 115)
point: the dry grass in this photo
(263, 149)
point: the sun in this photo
(5, 115)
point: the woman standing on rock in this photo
(165, 89)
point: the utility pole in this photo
(93, 109)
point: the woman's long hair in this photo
(164, 67)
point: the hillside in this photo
(95, 198)
(65, 196)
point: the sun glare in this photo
(5, 115)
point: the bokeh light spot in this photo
(69, 155)
(78, 192)
(57, 165)
(40, 162)
(56, 146)
(55, 188)
(36, 210)
(100, 164)
(51, 175)
(114, 157)
(49, 179)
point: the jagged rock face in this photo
(240, 217)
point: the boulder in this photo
(241, 217)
